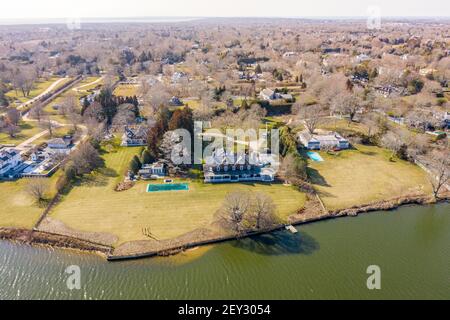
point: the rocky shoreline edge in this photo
(166, 248)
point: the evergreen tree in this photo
(244, 104)
(147, 157)
(280, 77)
(109, 103)
(134, 165)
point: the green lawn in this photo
(94, 206)
(39, 87)
(58, 101)
(126, 90)
(27, 130)
(193, 104)
(343, 126)
(78, 94)
(18, 209)
(365, 175)
(57, 133)
(86, 84)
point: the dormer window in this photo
(241, 168)
(225, 168)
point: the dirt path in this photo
(79, 89)
(24, 145)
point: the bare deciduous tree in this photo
(13, 115)
(48, 124)
(263, 211)
(37, 188)
(86, 158)
(441, 165)
(393, 142)
(311, 115)
(234, 210)
(12, 130)
(69, 104)
(37, 112)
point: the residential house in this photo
(175, 102)
(90, 97)
(223, 167)
(289, 54)
(177, 76)
(133, 137)
(61, 144)
(271, 95)
(247, 75)
(10, 160)
(362, 58)
(447, 120)
(331, 50)
(38, 156)
(360, 79)
(444, 117)
(427, 71)
(323, 140)
(387, 90)
(149, 171)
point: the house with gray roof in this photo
(323, 140)
(270, 95)
(223, 166)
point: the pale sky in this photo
(17, 9)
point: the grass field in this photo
(192, 103)
(94, 206)
(39, 87)
(343, 126)
(18, 209)
(57, 133)
(86, 84)
(27, 130)
(356, 177)
(126, 90)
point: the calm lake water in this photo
(324, 260)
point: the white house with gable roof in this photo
(10, 159)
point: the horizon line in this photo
(57, 20)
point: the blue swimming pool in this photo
(314, 156)
(167, 187)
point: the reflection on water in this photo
(327, 259)
(279, 243)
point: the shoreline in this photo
(47, 239)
